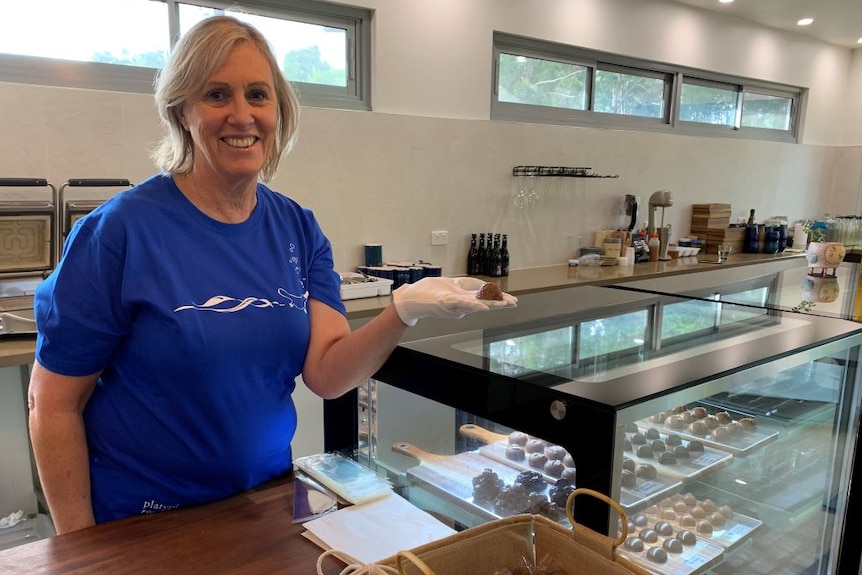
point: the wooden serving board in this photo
(495, 448)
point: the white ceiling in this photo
(838, 22)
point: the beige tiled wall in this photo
(392, 179)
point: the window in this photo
(709, 103)
(323, 48)
(542, 82)
(537, 81)
(629, 92)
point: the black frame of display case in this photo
(504, 400)
(434, 370)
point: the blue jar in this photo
(770, 240)
(751, 245)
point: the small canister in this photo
(416, 273)
(612, 247)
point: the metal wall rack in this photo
(558, 171)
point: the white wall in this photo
(433, 57)
(429, 158)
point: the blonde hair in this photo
(198, 54)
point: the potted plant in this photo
(822, 255)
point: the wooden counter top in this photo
(19, 351)
(251, 533)
(533, 280)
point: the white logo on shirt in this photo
(227, 304)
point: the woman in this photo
(183, 309)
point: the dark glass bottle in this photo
(472, 255)
(504, 255)
(496, 258)
(751, 245)
(486, 261)
(480, 256)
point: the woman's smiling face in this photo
(233, 121)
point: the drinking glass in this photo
(724, 251)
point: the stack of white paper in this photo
(376, 530)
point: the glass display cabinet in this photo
(725, 428)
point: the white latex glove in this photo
(443, 297)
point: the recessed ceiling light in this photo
(859, 41)
(725, 1)
(805, 22)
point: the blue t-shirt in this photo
(200, 327)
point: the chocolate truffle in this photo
(673, 440)
(648, 535)
(704, 526)
(490, 291)
(537, 460)
(515, 453)
(518, 438)
(646, 471)
(657, 555)
(535, 446)
(555, 452)
(554, 468)
(634, 544)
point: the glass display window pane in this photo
(765, 111)
(306, 52)
(708, 104)
(546, 351)
(82, 31)
(538, 82)
(754, 304)
(687, 318)
(613, 335)
(629, 94)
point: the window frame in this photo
(675, 77)
(132, 79)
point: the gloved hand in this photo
(443, 297)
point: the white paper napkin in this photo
(376, 530)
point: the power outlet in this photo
(439, 238)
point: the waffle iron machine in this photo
(28, 250)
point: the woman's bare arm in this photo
(56, 405)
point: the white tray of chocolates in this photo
(642, 483)
(718, 524)
(523, 452)
(713, 427)
(681, 458)
(666, 549)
